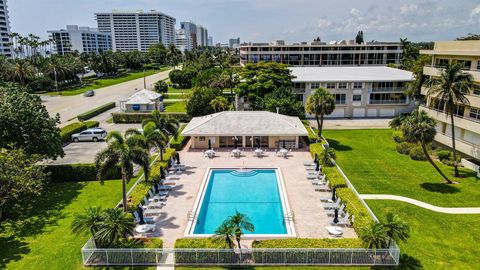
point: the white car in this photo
(90, 135)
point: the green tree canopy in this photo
(285, 100)
(25, 123)
(199, 100)
(320, 103)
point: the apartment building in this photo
(5, 47)
(137, 30)
(183, 40)
(234, 43)
(81, 39)
(202, 36)
(198, 34)
(467, 118)
(316, 54)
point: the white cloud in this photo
(323, 23)
(408, 9)
(355, 12)
(475, 11)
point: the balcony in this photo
(465, 122)
(388, 89)
(389, 102)
(462, 146)
(435, 71)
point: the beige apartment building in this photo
(467, 118)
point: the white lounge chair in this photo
(332, 205)
(331, 212)
(344, 221)
(313, 176)
(322, 187)
(165, 188)
(335, 231)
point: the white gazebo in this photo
(142, 101)
(248, 128)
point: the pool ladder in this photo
(290, 216)
(192, 216)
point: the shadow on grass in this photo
(11, 249)
(440, 188)
(338, 146)
(407, 262)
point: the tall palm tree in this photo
(219, 104)
(114, 227)
(374, 236)
(225, 234)
(450, 88)
(320, 103)
(122, 152)
(23, 71)
(88, 222)
(420, 128)
(327, 156)
(396, 229)
(149, 136)
(239, 223)
(166, 124)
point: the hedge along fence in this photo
(141, 190)
(309, 243)
(67, 131)
(78, 173)
(96, 111)
(199, 243)
(180, 142)
(133, 118)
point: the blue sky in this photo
(267, 20)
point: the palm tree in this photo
(327, 156)
(122, 152)
(239, 223)
(225, 234)
(219, 104)
(420, 128)
(23, 71)
(114, 227)
(88, 221)
(165, 124)
(149, 136)
(374, 236)
(450, 89)
(320, 103)
(396, 229)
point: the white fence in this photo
(234, 257)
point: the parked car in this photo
(89, 93)
(90, 135)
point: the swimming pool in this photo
(258, 193)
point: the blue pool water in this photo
(253, 193)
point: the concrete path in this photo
(445, 210)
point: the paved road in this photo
(70, 106)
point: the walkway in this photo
(445, 210)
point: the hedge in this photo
(78, 173)
(309, 243)
(96, 111)
(180, 142)
(67, 131)
(199, 243)
(132, 118)
(312, 135)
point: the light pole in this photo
(144, 78)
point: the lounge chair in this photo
(145, 219)
(169, 182)
(321, 180)
(335, 231)
(331, 212)
(344, 221)
(332, 205)
(165, 188)
(322, 187)
(313, 176)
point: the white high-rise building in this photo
(5, 47)
(198, 34)
(81, 39)
(202, 36)
(184, 41)
(210, 41)
(137, 30)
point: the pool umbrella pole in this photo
(334, 194)
(162, 173)
(209, 144)
(140, 215)
(283, 144)
(258, 142)
(335, 219)
(235, 142)
(178, 158)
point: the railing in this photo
(234, 257)
(388, 89)
(398, 101)
(290, 216)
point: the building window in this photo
(357, 98)
(357, 85)
(466, 64)
(476, 90)
(314, 85)
(201, 138)
(475, 113)
(340, 98)
(441, 62)
(459, 111)
(330, 85)
(478, 64)
(342, 85)
(299, 85)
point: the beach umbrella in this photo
(334, 194)
(140, 215)
(162, 173)
(335, 219)
(178, 158)
(209, 144)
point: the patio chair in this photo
(344, 221)
(332, 205)
(326, 199)
(321, 180)
(313, 176)
(169, 182)
(335, 231)
(322, 187)
(341, 211)
(165, 188)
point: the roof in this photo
(143, 97)
(350, 74)
(245, 123)
(139, 100)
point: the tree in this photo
(89, 221)
(166, 125)
(420, 128)
(20, 178)
(285, 100)
(396, 229)
(327, 156)
(161, 87)
(240, 222)
(25, 123)
(23, 71)
(149, 136)
(414, 88)
(397, 121)
(320, 103)
(225, 234)
(198, 103)
(470, 36)
(219, 104)
(374, 236)
(114, 227)
(157, 53)
(359, 37)
(182, 78)
(411, 53)
(450, 89)
(122, 152)
(174, 55)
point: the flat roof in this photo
(245, 123)
(350, 74)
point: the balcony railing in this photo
(390, 102)
(388, 89)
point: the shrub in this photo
(198, 243)
(152, 243)
(91, 124)
(67, 131)
(96, 111)
(309, 243)
(443, 154)
(130, 118)
(78, 173)
(416, 153)
(160, 87)
(404, 148)
(398, 136)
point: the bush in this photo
(198, 243)
(444, 154)
(309, 243)
(404, 148)
(67, 131)
(398, 136)
(416, 153)
(152, 243)
(160, 87)
(96, 111)
(130, 118)
(78, 173)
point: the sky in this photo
(268, 20)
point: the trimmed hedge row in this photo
(199, 243)
(133, 118)
(180, 142)
(309, 243)
(78, 173)
(352, 203)
(67, 131)
(96, 111)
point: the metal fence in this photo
(234, 257)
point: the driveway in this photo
(70, 106)
(81, 152)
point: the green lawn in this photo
(273, 268)
(41, 237)
(369, 159)
(178, 90)
(437, 241)
(176, 106)
(99, 83)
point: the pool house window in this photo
(315, 85)
(340, 98)
(330, 85)
(342, 85)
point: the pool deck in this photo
(310, 217)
